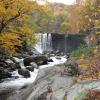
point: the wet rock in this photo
(15, 77)
(62, 54)
(12, 67)
(4, 73)
(3, 64)
(11, 64)
(50, 60)
(34, 65)
(57, 52)
(15, 59)
(43, 62)
(68, 56)
(9, 61)
(24, 72)
(51, 55)
(30, 68)
(58, 57)
(84, 86)
(5, 93)
(42, 96)
(39, 60)
(71, 68)
(17, 66)
(39, 90)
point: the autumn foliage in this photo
(14, 28)
(93, 95)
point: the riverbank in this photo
(50, 76)
(10, 85)
(54, 83)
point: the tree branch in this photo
(3, 25)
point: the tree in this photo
(90, 12)
(91, 26)
(74, 19)
(10, 41)
(14, 18)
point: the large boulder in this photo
(6, 67)
(3, 64)
(49, 83)
(50, 60)
(34, 65)
(39, 60)
(71, 68)
(9, 61)
(4, 73)
(58, 57)
(51, 55)
(30, 68)
(24, 72)
(15, 59)
(12, 66)
(17, 66)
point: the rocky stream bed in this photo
(52, 81)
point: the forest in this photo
(21, 22)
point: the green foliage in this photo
(82, 44)
(65, 98)
(82, 95)
(53, 21)
(77, 18)
(86, 51)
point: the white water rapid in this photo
(44, 42)
(21, 81)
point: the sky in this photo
(64, 1)
(68, 2)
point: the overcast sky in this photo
(64, 1)
(68, 2)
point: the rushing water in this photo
(21, 81)
(44, 42)
(47, 42)
(57, 42)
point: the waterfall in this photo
(57, 42)
(49, 42)
(38, 45)
(44, 42)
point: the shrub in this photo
(82, 95)
(82, 51)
